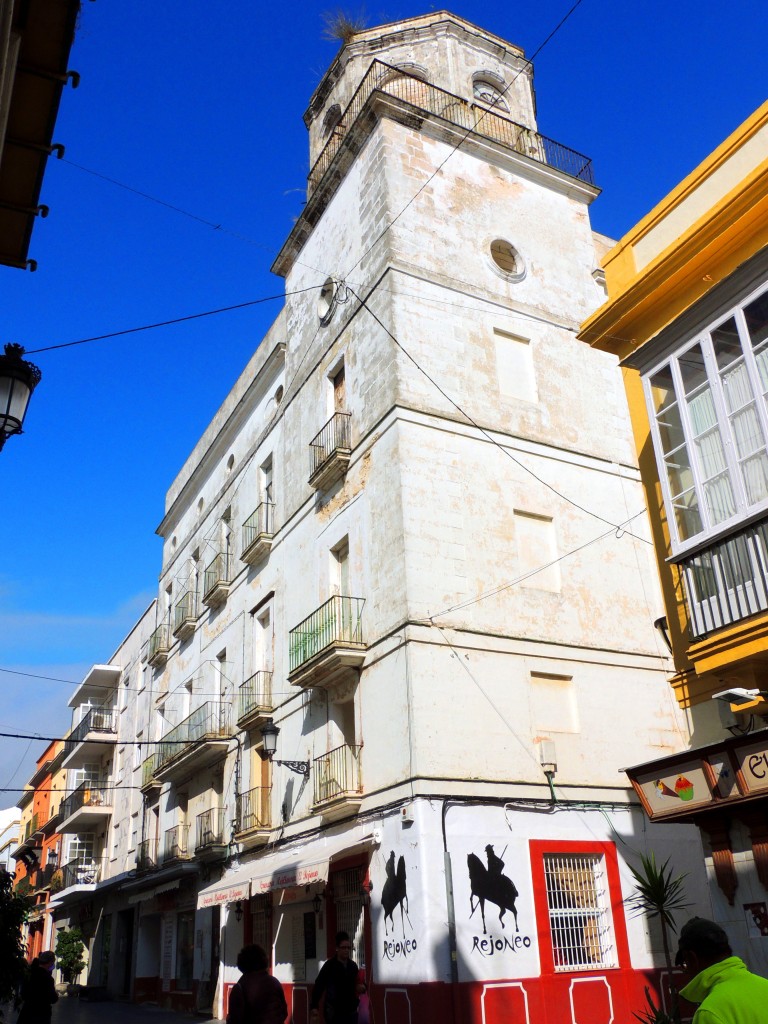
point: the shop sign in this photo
(232, 894)
(298, 874)
(675, 790)
(752, 759)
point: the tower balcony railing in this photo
(445, 106)
(330, 450)
(175, 844)
(184, 615)
(728, 580)
(336, 622)
(253, 809)
(258, 530)
(211, 721)
(254, 698)
(209, 829)
(337, 774)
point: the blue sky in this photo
(200, 105)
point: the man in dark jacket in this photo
(720, 982)
(257, 998)
(38, 992)
(336, 990)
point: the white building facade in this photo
(412, 541)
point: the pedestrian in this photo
(336, 991)
(716, 979)
(257, 998)
(38, 992)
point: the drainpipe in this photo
(452, 947)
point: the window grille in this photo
(261, 911)
(349, 910)
(579, 915)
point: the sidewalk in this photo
(71, 1010)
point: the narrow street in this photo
(71, 1010)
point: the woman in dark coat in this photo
(38, 992)
(258, 997)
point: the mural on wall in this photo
(491, 884)
(493, 899)
(395, 893)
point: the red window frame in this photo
(540, 847)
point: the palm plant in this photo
(659, 893)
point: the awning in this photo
(304, 865)
(147, 894)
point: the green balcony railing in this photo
(148, 769)
(184, 610)
(211, 720)
(338, 621)
(158, 642)
(255, 692)
(216, 572)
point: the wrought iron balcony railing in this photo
(254, 694)
(728, 580)
(159, 644)
(31, 827)
(210, 721)
(336, 774)
(260, 523)
(148, 769)
(44, 877)
(87, 794)
(175, 844)
(338, 621)
(445, 106)
(216, 578)
(84, 871)
(335, 436)
(253, 809)
(146, 855)
(95, 720)
(210, 829)
(184, 612)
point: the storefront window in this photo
(185, 949)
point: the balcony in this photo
(216, 581)
(728, 581)
(258, 530)
(44, 877)
(81, 874)
(336, 775)
(89, 807)
(175, 845)
(254, 700)
(148, 768)
(413, 94)
(198, 741)
(91, 738)
(330, 451)
(146, 855)
(159, 645)
(184, 618)
(254, 816)
(327, 648)
(209, 833)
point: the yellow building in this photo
(687, 315)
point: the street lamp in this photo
(18, 379)
(269, 734)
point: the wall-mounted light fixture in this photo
(269, 734)
(662, 626)
(18, 379)
(239, 911)
(317, 903)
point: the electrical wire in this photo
(486, 434)
(168, 323)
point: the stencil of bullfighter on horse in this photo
(491, 884)
(395, 893)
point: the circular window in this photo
(279, 395)
(327, 301)
(489, 94)
(200, 505)
(230, 463)
(173, 543)
(506, 260)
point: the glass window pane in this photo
(726, 343)
(662, 389)
(701, 410)
(687, 518)
(755, 474)
(679, 472)
(710, 453)
(756, 315)
(747, 432)
(761, 358)
(670, 428)
(719, 497)
(692, 368)
(736, 386)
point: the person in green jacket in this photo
(716, 979)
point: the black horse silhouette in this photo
(395, 893)
(488, 883)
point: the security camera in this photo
(738, 696)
